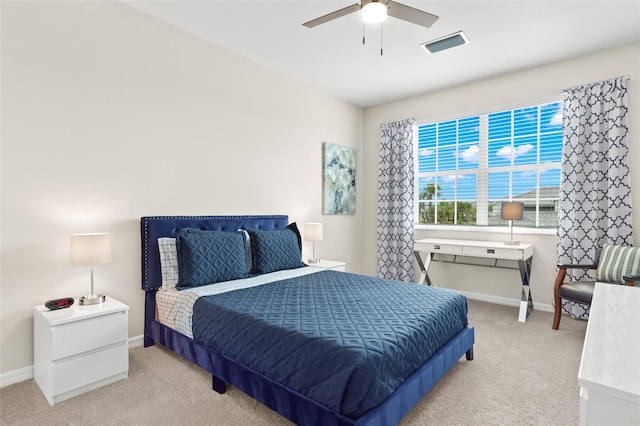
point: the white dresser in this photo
(80, 348)
(609, 375)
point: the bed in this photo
(319, 347)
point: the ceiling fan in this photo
(375, 11)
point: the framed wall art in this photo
(339, 174)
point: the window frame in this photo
(482, 195)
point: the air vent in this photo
(446, 42)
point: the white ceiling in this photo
(505, 36)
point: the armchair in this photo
(614, 265)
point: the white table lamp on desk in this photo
(90, 250)
(313, 233)
(512, 211)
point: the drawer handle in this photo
(491, 251)
(436, 247)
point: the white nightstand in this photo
(331, 264)
(80, 348)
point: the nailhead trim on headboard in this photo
(154, 227)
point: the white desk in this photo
(609, 375)
(521, 253)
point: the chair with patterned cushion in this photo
(614, 265)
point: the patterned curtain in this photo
(395, 201)
(595, 191)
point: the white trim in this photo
(16, 376)
(488, 110)
(504, 301)
(520, 230)
(26, 373)
(482, 172)
(136, 342)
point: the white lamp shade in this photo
(313, 232)
(90, 249)
(512, 211)
(374, 12)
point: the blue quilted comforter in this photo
(346, 341)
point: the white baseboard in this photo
(16, 376)
(136, 342)
(26, 373)
(505, 301)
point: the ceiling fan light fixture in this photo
(374, 12)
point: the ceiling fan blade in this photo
(411, 14)
(333, 15)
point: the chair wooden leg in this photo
(556, 296)
(557, 315)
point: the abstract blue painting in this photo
(339, 179)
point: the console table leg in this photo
(424, 278)
(526, 302)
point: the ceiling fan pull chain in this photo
(381, 38)
(363, 34)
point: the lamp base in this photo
(314, 261)
(512, 243)
(92, 299)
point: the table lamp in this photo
(511, 211)
(90, 250)
(313, 232)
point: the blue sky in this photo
(513, 139)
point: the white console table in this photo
(521, 253)
(609, 375)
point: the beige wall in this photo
(108, 115)
(529, 85)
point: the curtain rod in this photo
(625, 77)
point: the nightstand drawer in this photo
(74, 373)
(82, 336)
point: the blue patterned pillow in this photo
(275, 250)
(208, 257)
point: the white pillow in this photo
(168, 262)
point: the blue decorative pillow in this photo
(275, 250)
(209, 257)
(294, 228)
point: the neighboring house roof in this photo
(545, 192)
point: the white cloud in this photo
(426, 152)
(508, 152)
(452, 178)
(528, 174)
(556, 120)
(470, 155)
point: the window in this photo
(467, 166)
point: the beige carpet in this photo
(522, 374)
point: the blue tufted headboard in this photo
(154, 227)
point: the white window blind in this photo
(466, 167)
